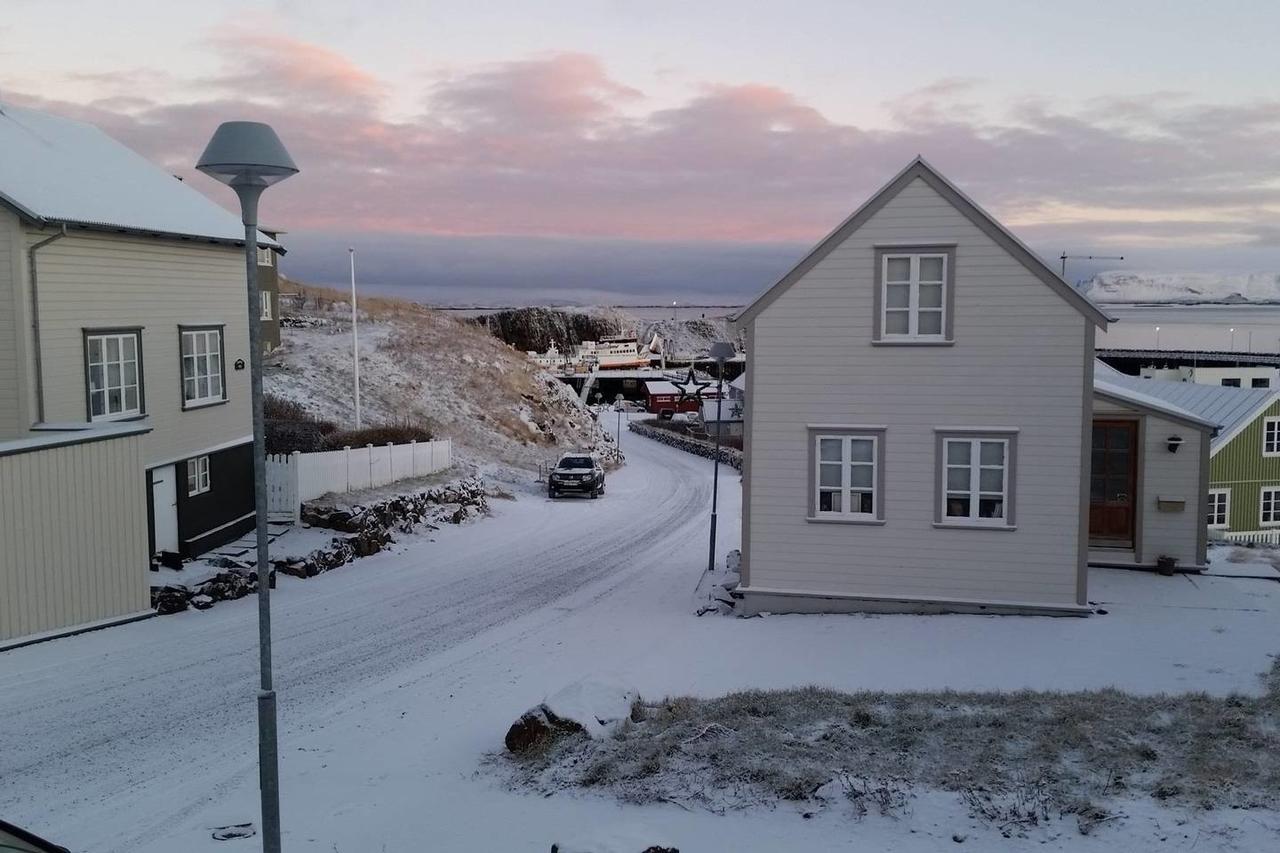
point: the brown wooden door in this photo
(1113, 482)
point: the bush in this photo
(279, 409)
(398, 433)
(288, 427)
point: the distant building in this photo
(1230, 377)
(269, 290)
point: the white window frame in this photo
(1269, 495)
(121, 364)
(197, 476)
(913, 308)
(1216, 511)
(975, 492)
(264, 296)
(211, 361)
(1271, 436)
(846, 488)
(266, 258)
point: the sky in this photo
(499, 152)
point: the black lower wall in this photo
(223, 513)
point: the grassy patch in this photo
(1013, 758)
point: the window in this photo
(265, 295)
(1269, 511)
(202, 367)
(113, 374)
(1271, 436)
(913, 294)
(1260, 382)
(1231, 382)
(847, 465)
(975, 479)
(266, 257)
(197, 476)
(1219, 508)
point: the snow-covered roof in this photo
(661, 387)
(1230, 409)
(58, 170)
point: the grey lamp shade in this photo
(246, 152)
(722, 351)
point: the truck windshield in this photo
(576, 462)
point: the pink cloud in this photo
(556, 146)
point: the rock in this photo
(599, 707)
(201, 602)
(170, 599)
(538, 727)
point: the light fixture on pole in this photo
(355, 335)
(1157, 337)
(721, 351)
(249, 157)
(617, 406)
(1233, 339)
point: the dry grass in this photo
(1014, 758)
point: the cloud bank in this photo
(545, 177)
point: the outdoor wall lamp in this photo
(1175, 441)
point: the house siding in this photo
(224, 512)
(74, 527)
(1018, 362)
(1241, 467)
(1171, 476)
(90, 280)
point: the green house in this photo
(1244, 454)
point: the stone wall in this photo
(728, 455)
(366, 530)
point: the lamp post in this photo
(355, 335)
(617, 407)
(249, 157)
(721, 351)
(1233, 339)
(1157, 338)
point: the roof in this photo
(57, 170)
(661, 387)
(1231, 409)
(920, 168)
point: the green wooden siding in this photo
(1241, 467)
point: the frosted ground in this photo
(399, 673)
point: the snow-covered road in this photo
(95, 727)
(400, 672)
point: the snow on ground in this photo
(397, 674)
(1186, 287)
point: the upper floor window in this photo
(265, 295)
(1260, 382)
(1271, 437)
(914, 294)
(202, 367)
(266, 257)
(1231, 382)
(113, 368)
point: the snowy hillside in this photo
(1182, 287)
(421, 365)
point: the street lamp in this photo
(1157, 338)
(249, 157)
(617, 407)
(721, 351)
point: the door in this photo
(1113, 483)
(164, 502)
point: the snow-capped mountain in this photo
(1182, 287)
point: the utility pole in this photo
(1064, 257)
(355, 334)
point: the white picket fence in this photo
(1258, 537)
(296, 477)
